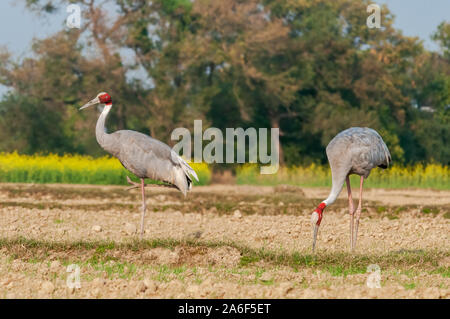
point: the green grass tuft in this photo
(337, 263)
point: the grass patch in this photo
(381, 209)
(167, 273)
(267, 282)
(343, 271)
(246, 260)
(430, 210)
(392, 216)
(338, 263)
(443, 271)
(409, 286)
(225, 207)
(124, 270)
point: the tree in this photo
(442, 36)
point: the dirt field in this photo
(220, 242)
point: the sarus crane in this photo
(142, 155)
(353, 151)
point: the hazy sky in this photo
(418, 17)
(18, 26)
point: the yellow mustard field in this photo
(421, 176)
(72, 169)
(81, 169)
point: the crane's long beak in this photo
(316, 229)
(90, 103)
(314, 219)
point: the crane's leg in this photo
(358, 210)
(350, 208)
(143, 207)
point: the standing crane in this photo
(353, 151)
(142, 155)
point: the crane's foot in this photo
(134, 184)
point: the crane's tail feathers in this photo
(187, 169)
(189, 183)
(387, 155)
(388, 158)
(194, 174)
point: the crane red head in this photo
(104, 98)
(101, 98)
(316, 218)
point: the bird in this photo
(356, 150)
(142, 155)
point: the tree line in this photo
(308, 67)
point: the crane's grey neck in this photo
(338, 182)
(103, 138)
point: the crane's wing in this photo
(187, 169)
(379, 152)
(147, 157)
(359, 149)
(369, 148)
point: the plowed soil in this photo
(221, 241)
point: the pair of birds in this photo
(353, 151)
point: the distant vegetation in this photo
(77, 169)
(433, 176)
(72, 169)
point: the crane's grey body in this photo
(145, 156)
(142, 155)
(356, 150)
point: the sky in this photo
(18, 26)
(418, 17)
